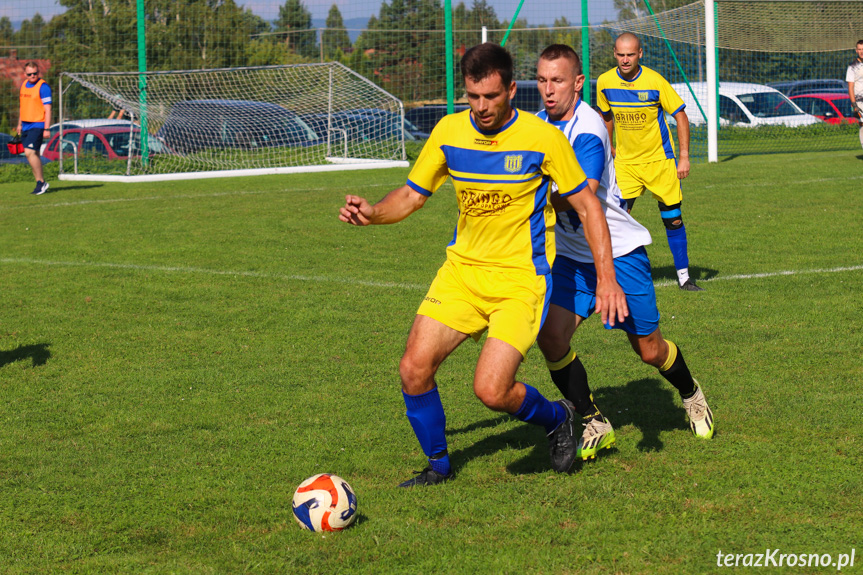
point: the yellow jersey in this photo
(641, 132)
(502, 182)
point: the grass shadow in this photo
(54, 188)
(649, 405)
(696, 272)
(520, 437)
(37, 353)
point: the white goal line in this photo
(369, 283)
(339, 165)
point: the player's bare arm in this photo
(608, 119)
(562, 205)
(682, 139)
(47, 120)
(853, 97)
(394, 207)
(610, 299)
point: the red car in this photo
(833, 108)
(110, 142)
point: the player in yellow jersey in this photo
(633, 100)
(497, 273)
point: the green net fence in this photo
(400, 45)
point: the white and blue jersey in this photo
(574, 272)
(589, 138)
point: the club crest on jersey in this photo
(642, 96)
(512, 164)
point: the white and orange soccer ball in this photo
(325, 502)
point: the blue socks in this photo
(426, 415)
(538, 410)
(678, 245)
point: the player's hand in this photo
(611, 303)
(356, 211)
(682, 168)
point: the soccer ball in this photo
(325, 502)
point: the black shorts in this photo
(32, 139)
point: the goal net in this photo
(227, 122)
(801, 48)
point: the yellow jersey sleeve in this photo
(430, 170)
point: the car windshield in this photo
(769, 105)
(845, 107)
(297, 130)
(119, 142)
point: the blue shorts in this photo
(32, 139)
(574, 289)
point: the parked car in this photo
(426, 117)
(796, 87)
(831, 107)
(528, 98)
(743, 104)
(359, 126)
(87, 123)
(195, 125)
(110, 142)
(8, 158)
(393, 117)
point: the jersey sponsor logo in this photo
(484, 142)
(512, 164)
(433, 300)
(630, 120)
(484, 203)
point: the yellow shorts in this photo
(659, 177)
(511, 304)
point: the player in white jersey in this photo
(854, 77)
(560, 80)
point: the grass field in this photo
(176, 358)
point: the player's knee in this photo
(651, 355)
(492, 396)
(552, 343)
(673, 223)
(672, 216)
(415, 375)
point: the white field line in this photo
(206, 271)
(662, 283)
(167, 198)
(367, 283)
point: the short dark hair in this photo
(483, 60)
(859, 42)
(556, 51)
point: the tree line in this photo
(402, 48)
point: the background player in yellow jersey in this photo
(497, 273)
(633, 100)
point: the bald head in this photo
(628, 38)
(627, 52)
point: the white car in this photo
(743, 104)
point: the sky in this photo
(536, 11)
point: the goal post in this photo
(226, 122)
